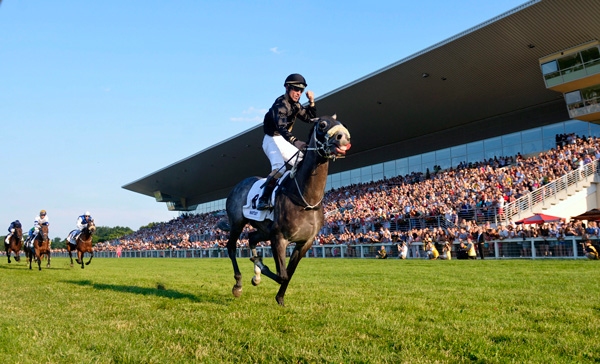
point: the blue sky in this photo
(94, 95)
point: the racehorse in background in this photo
(15, 243)
(83, 244)
(40, 246)
(298, 211)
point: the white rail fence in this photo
(528, 248)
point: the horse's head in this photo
(91, 227)
(332, 139)
(18, 232)
(44, 231)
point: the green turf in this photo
(337, 311)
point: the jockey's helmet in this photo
(87, 213)
(43, 212)
(295, 79)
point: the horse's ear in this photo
(334, 116)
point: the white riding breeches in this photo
(279, 151)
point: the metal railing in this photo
(549, 193)
(528, 248)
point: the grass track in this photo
(337, 311)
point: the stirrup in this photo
(264, 204)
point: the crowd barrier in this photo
(528, 248)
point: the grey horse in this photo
(298, 211)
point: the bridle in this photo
(324, 151)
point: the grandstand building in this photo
(506, 86)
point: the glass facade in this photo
(525, 142)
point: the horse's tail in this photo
(223, 224)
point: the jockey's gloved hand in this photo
(300, 145)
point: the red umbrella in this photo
(538, 219)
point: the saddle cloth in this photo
(249, 209)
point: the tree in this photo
(104, 233)
(59, 243)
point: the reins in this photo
(322, 150)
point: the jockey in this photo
(82, 222)
(11, 230)
(40, 220)
(278, 143)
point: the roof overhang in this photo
(481, 83)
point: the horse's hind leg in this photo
(253, 239)
(70, 255)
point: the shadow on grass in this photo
(158, 291)
(23, 265)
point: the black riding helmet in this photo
(295, 79)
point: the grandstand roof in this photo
(481, 83)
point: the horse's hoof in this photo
(237, 291)
(71, 265)
(255, 281)
(280, 301)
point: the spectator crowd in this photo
(437, 206)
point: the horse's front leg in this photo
(8, 255)
(91, 256)
(299, 251)
(80, 258)
(48, 265)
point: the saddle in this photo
(249, 209)
(72, 238)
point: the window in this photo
(492, 143)
(475, 147)
(552, 130)
(590, 54)
(532, 147)
(389, 169)
(569, 63)
(356, 177)
(577, 127)
(531, 135)
(549, 67)
(475, 157)
(414, 163)
(573, 97)
(511, 139)
(458, 151)
(442, 154)
(428, 158)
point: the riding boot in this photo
(264, 201)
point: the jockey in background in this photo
(278, 143)
(11, 230)
(82, 222)
(40, 220)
